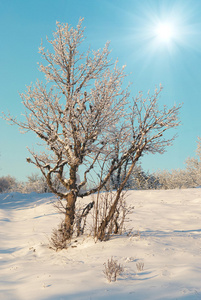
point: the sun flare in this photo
(165, 32)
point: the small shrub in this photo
(140, 266)
(112, 269)
(58, 238)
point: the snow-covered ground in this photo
(166, 237)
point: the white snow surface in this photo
(165, 236)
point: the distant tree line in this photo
(34, 183)
(189, 177)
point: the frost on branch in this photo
(81, 114)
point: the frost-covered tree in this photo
(182, 178)
(138, 180)
(83, 116)
(141, 180)
(8, 184)
(35, 183)
(193, 166)
(173, 179)
(38, 184)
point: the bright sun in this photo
(164, 32)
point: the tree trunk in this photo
(108, 218)
(70, 215)
(70, 205)
(105, 222)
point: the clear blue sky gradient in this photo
(128, 24)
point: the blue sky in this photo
(131, 26)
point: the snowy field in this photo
(166, 238)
